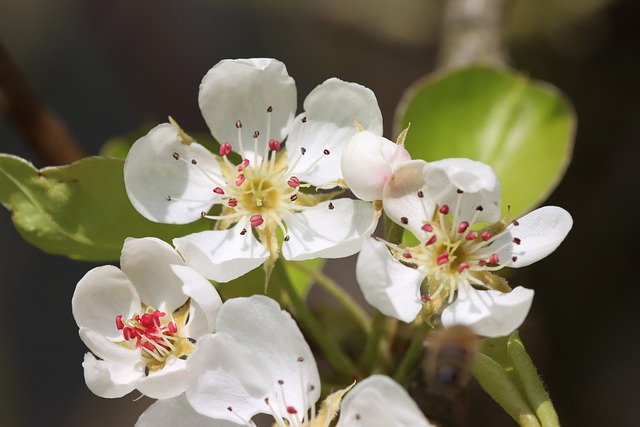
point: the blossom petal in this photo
(258, 351)
(330, 111)
(387, 284)
(222, 255)
(367, 163)
(404, 198)
(539, 233)
(170, 381)
(477, 180)
(332, 229)
(378, 401)
(177, 412)
(147, 262)
(101, 295)
(163, 182)
(222, 374)
(203, 294)
(110, 380)
(489, 313)
(243, 89)
(107, 349)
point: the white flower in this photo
(249, 106)
(446, 202)
(257, 362)
(375, 401)
(143, 320)
(378, 401)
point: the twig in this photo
(38, 124)
(471, 34)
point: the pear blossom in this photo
(376, 169)
(249, 106)
(141, 321)
(379, 401)
(258, 362)
(447, 207)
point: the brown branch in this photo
(472, 34)
(37, 123)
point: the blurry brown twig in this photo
(472, 34)
(37, 123)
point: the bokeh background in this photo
(107, 67)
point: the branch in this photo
(471, 34)
(37, 123)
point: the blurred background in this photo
(107, 67)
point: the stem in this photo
(534, 390)
(496, 382)
(375, 351)
(335, 290)
(412, 355)
(44, 132)
(471, 33)
(338, 360)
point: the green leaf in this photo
(523, 128)
(80, 211)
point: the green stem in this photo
(338, 360)
(412, 355)
(496, 382)
(335, 290)
(375, 352)
(534, 390)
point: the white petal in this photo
(107, 349)
(330, 111)
(378, 401)
(367, 163)
(327, 232)
(477, 180)
(222, 374)
(256, 346)
(177, 412)
(540, 233)
(107, 379)
(101, 295)
(147, 262)
(222, 255)
(387, 284)
(489, 313)
(243, 89)
(202, 293)
(170, 381)
(405, 200)
(153, 175)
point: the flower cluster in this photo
(156, 324)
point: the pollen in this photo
(157, 335)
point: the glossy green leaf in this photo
(523, 128)
(80, 211)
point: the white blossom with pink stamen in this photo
(142, 321)
(249, 106)
(448, 207)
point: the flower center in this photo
(157, 335)
(453, 252)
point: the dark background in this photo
(108, 66)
